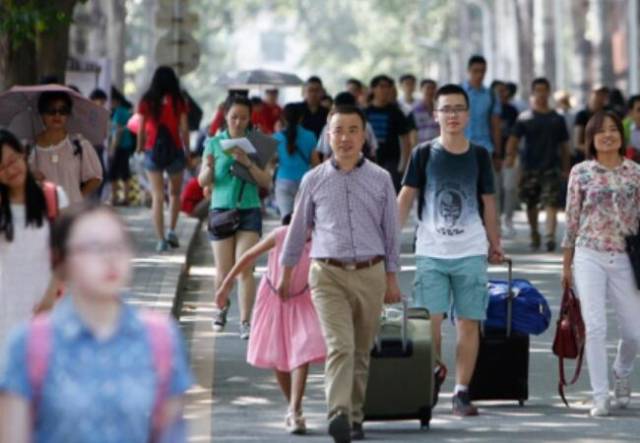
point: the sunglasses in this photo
(58, 111)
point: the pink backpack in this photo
(50, 191)
(158, 331)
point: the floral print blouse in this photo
(603, 205)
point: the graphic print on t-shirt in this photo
(450, 201)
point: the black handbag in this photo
(223, 224)
(633, 251)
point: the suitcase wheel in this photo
(521, 403)
(425, 418)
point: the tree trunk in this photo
(549, 42)
(524, 14)
(603, 65)
(53, 44)
(17, 60)
(582, 48)
(116, 13)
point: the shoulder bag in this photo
(224, 224)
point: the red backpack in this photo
(158, 329)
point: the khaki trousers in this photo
(348, 304)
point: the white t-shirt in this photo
(25, 270)
(451, 226)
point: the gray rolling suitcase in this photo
(401, 374)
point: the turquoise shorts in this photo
(441, 282)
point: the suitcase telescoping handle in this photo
(403, 324)
(511, 295)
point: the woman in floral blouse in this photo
(603, 206)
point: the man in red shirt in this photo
(271, 110)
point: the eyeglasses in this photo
(58, 111)
(454, 111)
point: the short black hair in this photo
(314, 79)
(344, 99)
(427, 81)
(632, 101)
(255, 100)
(540, 81)
(404, 77)
(375, 81)
(494, 84)
(356, 82)
(512, 88)
(476, 59)
(98, 94)
(351, 110)
(239, 100)
(48, 97)
(451, 89)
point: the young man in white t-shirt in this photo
(453, 244)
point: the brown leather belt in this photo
(347, 266)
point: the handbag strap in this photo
(563, 381)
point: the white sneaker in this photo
(622, 390)
(245, 330)
(295, 423)
(600, 408)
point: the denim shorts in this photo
(176, 167)
(461, 282)
(250, 220)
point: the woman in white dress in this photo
(26, 282)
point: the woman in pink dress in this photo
(286, 334)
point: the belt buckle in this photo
(350, 266)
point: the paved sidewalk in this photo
(246, 405)
(157, 276)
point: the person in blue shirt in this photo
(484, 128)
(296, 155)
(101, 382)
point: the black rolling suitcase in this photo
(502, 368)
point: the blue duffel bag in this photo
(530, 310)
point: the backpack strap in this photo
(423, 152)
(158, 330)
(50, 191)
(480, 152)
(39, 340)
(77, 150)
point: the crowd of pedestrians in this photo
(345, 174)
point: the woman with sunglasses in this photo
(66, 159)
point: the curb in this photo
(181, 286)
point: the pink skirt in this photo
(284, 335)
